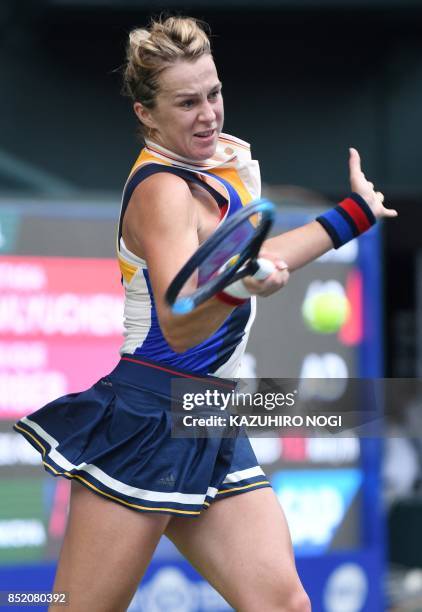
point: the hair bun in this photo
(137, 37)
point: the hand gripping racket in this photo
(228, 255)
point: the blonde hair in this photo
(150, 51)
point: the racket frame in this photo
(245, 264)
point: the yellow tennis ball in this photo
(325, 313)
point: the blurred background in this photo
(303, 80)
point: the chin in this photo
(203, 156)
(202, 153)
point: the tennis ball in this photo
(325, 312)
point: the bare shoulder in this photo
(163, 195)
(161, 207)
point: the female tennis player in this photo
(131, 481)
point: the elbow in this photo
(179, 348)
(177, 344)
(178, 341)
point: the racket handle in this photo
(238, 288)
(266, 267)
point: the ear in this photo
(144, 115)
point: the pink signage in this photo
(60, 328)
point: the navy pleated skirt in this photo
(115, 438)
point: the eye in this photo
(187, 103)
(214, 94)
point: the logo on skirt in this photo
(168, 480)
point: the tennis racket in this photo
(228, 255)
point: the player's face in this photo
(189, 113)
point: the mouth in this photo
(205, 134)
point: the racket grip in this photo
(238, 288)
(266, 267)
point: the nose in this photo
(207, 112)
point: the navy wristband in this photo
(348, 220)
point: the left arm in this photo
(305, 244)
(299, 246)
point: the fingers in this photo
(354, 153)
(354, 162)
(386, 212)
(270, 285)
(275, 282)
(390, 212)
(359, 183)
(280, 264)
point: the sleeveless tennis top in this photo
(238, 174)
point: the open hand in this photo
(366, 189)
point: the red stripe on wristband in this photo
(229, 299)
(358, 215)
